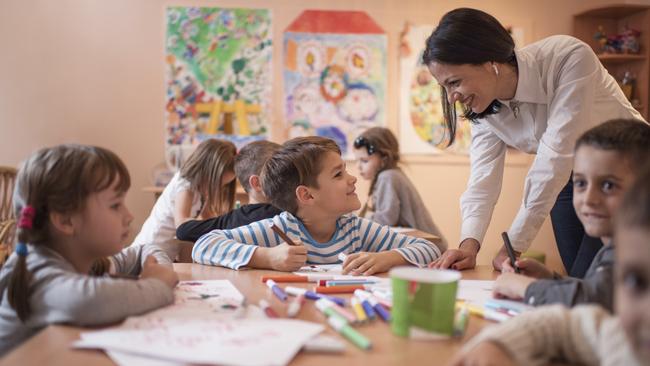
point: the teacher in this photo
(539, 100)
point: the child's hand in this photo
(512, 285)
(366, 264)
(528, 267)
(484, 354)
(285, 257)
(151, 269)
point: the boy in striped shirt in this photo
(308, 180)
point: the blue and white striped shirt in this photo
(234, 248)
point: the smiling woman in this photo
(537, 99)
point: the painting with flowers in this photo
(334, 75)
(422, 128)
(217, 75)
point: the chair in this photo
(7, 218)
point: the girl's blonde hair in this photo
(204, 169)
(57, 179)
(378, 140)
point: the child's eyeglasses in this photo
(363, 142)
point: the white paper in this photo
(331, 272)
(334, 269)
(207, 324)
(247, 342)
(475, 291)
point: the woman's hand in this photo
(366, 264)
(462, 258)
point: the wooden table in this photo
(52, 345)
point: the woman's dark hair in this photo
(468, 36)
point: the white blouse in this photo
(159, 226)
(562, 91)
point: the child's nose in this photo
(128, 217)
(592, 196)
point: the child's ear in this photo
(62, 222)
(303, 195)
(255, 183)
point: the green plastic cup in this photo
(424, 302)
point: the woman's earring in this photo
(496, 69)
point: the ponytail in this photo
(18, 291)
(366, 205)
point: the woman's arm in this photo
(573, 89)
(487, 159)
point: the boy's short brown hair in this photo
(298, 163)
(628, 137)
(251, 158)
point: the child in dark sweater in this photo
(248, 165)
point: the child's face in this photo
(337, 191)
(600, 179)
(632, 292)
(103, 225)
(369, 165)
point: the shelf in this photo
(616, 58)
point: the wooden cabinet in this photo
(614, 20)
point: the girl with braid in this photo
(392, 199)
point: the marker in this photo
(511, 252)
(268, 310)
(495, 316)
(330, 283)
(460, 321)
(342, 311)
(475, 310)
(329, 308)
(341, 325)
(383, 298)
(342, 257)
(358, 310)
(488, 314)
(379, 308)
(296, 291)
(348, 332)
(277, 291)
(295, 305)
(365, 304)
(287, 278)
(347, 289)
(282, 235)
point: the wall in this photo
(91, 71)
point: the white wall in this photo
(91, 71)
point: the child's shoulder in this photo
(42, 263)
(350, 219)
(393, 174)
